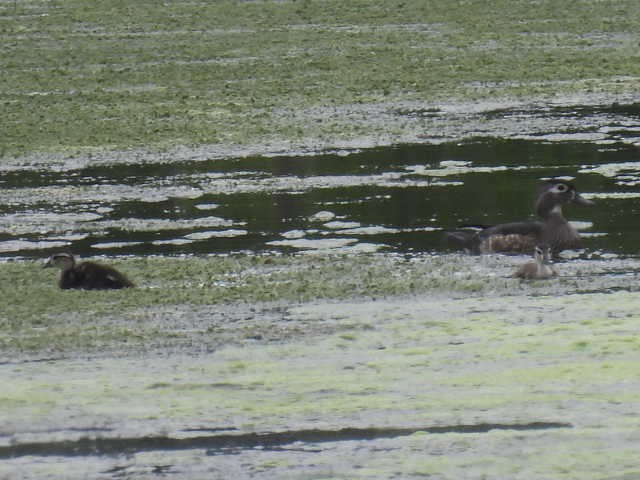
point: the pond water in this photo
(389, 199)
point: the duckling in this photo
(539, 267)
(553, 229)
(86, 275)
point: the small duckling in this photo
(86, 275)
(539, 267)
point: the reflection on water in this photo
(398, 199)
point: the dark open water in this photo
(393, 199)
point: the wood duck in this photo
(552, 230)
(538, 268)
(86, 275)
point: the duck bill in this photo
(580, 200)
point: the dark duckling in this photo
(520, 237)
(86, 275)
(538, 268)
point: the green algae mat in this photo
(324, 367)
(81, 76)
(301, 366)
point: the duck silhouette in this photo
(552, 229)
(86, 275)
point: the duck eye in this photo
(561, 187)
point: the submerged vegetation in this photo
(79, 75)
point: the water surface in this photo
(389, 199)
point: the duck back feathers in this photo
(552, 229)
(93, 276)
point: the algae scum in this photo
(389, 199)
(412, 362)
(188, 142)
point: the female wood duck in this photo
(86, 275)
(522, 237)
(538, 268)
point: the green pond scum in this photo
(356, 346)
(38, 316)
(246, 297)
(264, 344)
(80, 76)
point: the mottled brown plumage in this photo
(552, 229)
(512, 242)
(86, 275)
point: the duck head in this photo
(554, 193)
(542, 254)
(63, 261)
